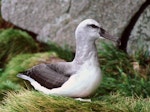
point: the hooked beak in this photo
(106, 35)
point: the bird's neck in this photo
(85, 50)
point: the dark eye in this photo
(93, 26)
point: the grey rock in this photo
(56, 20)
(140, 35)
(33, 15)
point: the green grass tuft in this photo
(131, 86)
(119, 74)
(13, 42)
(9, 80)
(32, 101)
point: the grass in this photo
(18, 54)
(123, 88)
(120, 75)
(13, 42)
(23, 62)
(9, 81)
(32, 101)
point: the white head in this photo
(90, 29)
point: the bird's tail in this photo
(24, 76)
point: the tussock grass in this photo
(9, 80)
(20, 52)
(32, 101)
(23, 62)
(119, 73)
(13, 42)
(131, 87)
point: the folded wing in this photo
(47, 75)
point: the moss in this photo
(31, 101)
(13, 42)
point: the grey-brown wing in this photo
(47, 75)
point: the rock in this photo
(140, 35)
(56, 20)
(34, 14)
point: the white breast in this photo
(83, 83)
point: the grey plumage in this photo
(78, 78)
(48, 75)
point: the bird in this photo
(78, 78)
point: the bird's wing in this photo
(48, 75)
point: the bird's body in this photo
(79, 78)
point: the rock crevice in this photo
(128, 29)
